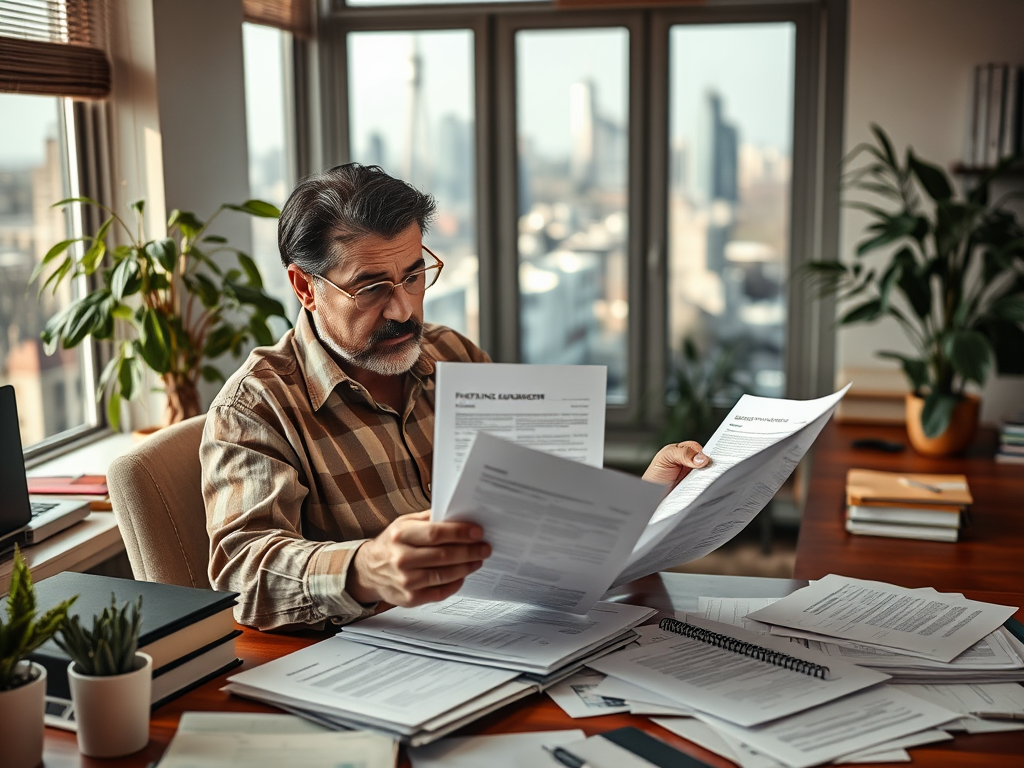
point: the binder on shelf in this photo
(1010, 146)
(994, 123)
(982, 77)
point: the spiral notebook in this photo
(736, 675)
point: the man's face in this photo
(384, 339)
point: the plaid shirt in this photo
(301, 466)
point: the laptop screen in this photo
(15, 510)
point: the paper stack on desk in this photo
(904, 505)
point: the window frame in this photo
(818, 97)
(83, 137)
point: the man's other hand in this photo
(415, 561)
(674, 462)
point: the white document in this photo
(617, 688)
(351, 749)
(713, 740)
(731, 685)
(246, 722)
(507, 750)
(511, 634)
(934, 626)
(383, 686)
(852, 724)
(753, 452)
(577, 698)
(993, 652)
(560, 531)
(965, 698)
(558, 409)
(733, 611)
(888, 756)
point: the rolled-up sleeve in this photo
(254, 495)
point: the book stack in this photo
(1011, 441)
(904, 505)
(90, 488)
(189, 633)
(994, 120)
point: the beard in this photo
(392, 360)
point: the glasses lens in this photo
(370, 296)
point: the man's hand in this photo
(674, 462)
(415, 561)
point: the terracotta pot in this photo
(21, 722)
(956, 438)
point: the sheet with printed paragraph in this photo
(851, 724)
(930, 625)
(964, 699)
(242, 740)
(507, 635)
(509, 750)
(557, 409)
(741, 688)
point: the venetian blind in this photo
(295, 16)
(54, 48)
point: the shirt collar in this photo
(323, 375)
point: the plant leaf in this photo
(257, 208)
(1010, 308)
(164, 252)
(932, 178)
(937, 412)
(154, 339)
(915, 370)
(125, 280)
(970, 354)
(869, 310)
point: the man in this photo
(317, 453)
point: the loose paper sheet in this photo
(577, 697)
(558, 409)
(507, 750)
(351, 749)
(934, 626)
(560, 531)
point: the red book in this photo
(83, 485)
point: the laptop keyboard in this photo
(38, 507)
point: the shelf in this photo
(980, 170)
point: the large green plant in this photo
(23, 632)
(954, 280)
(167, 303)
(109, 647)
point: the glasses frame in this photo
(387, 297)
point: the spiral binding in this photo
(758, 652)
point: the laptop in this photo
(24, 520)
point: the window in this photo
(730, 160)
(53, 392)
(423, 132)
(271, 170)
(641, 176)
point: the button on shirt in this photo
(301, 466)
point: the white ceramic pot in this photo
(21, 722)
(112, 712)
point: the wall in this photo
(909, 67)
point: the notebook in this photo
(23, 520)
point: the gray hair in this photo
(342, 205)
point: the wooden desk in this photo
(667, 592)
(988, 556)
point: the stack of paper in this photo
(914, 635)
(545, 645)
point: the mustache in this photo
(392, 329)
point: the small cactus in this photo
(109, 649)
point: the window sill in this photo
(90, 458)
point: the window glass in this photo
(572, 128)
(33, 176)
(270, 176)
(731, 128)
(423, 132)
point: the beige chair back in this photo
(157, 494)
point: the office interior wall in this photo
(909, 68)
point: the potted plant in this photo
(23, 683)
(166, 304)
(110, 680)
(954, 282)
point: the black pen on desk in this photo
(998, 715)
(567, 758)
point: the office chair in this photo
(156, 492)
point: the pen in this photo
(567, 758)
(998, 715)
(919, 484)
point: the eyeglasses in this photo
(374, 295)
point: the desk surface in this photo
(991, 547)
(667, 592)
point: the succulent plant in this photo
(109, 648)
(23, 633)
